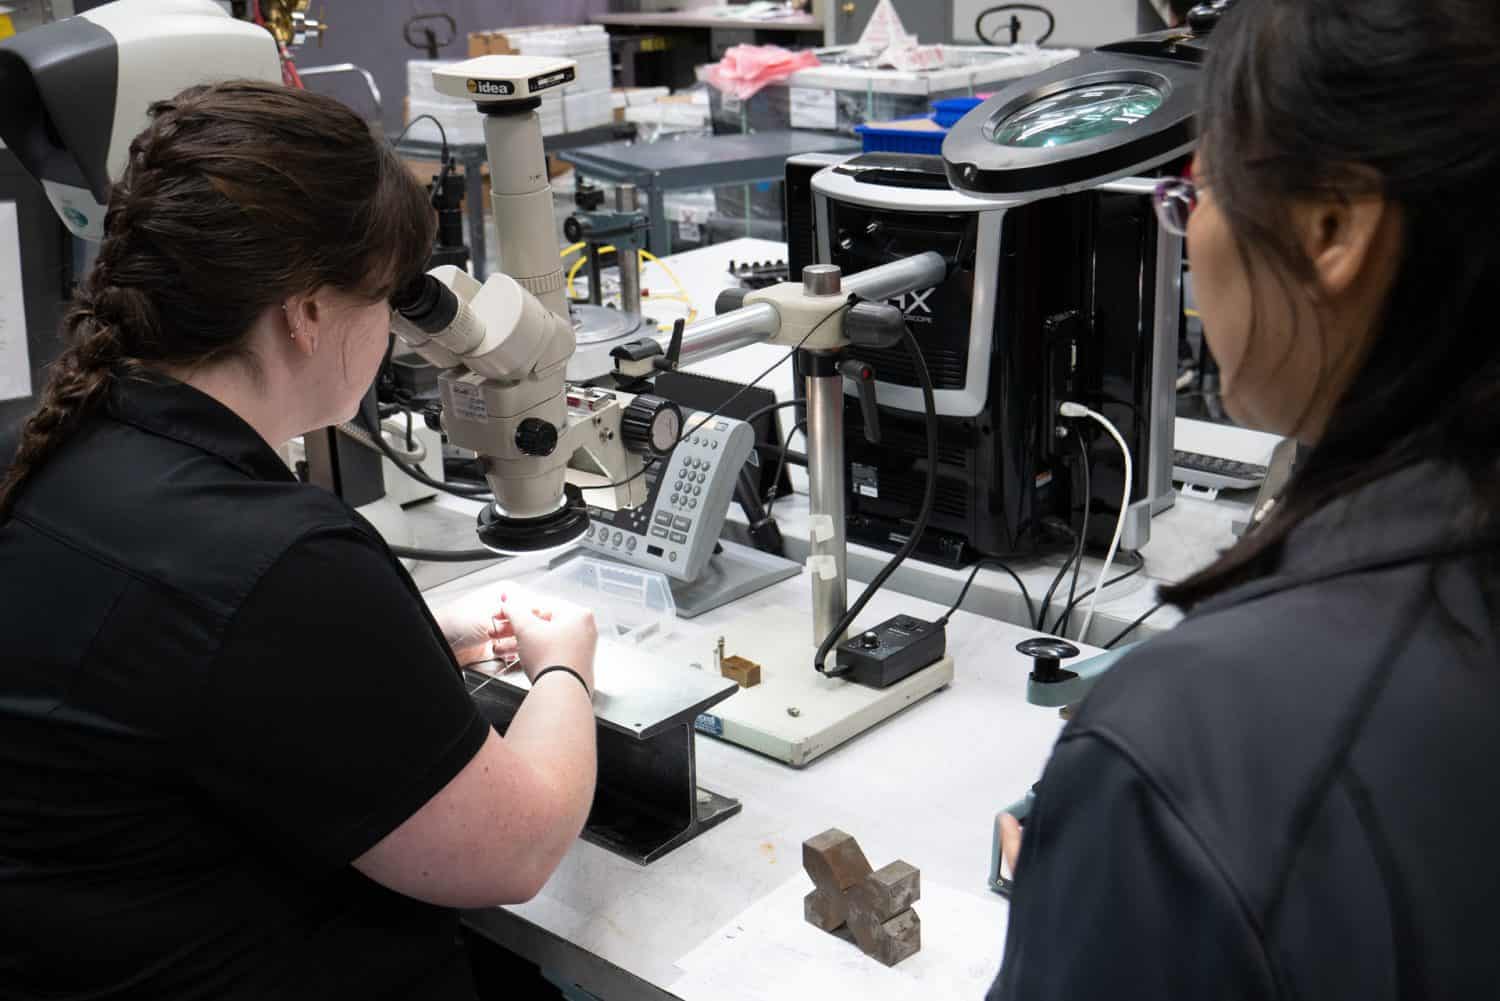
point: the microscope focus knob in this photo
(535, 436)
(651, 425)
(1047, 654)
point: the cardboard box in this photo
(502, 41)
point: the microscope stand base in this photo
(729, 575)
(733, 573)
(828, 711)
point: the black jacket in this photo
(1288, 795)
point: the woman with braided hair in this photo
(237, 759)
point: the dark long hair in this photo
(1396, 98)
(236, 196)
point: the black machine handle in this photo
(429, 40)
(863, 377)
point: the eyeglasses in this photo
(1174, 200)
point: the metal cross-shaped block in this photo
(876, 905)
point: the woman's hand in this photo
(473, 623)
(547, 633)
(1010, 842)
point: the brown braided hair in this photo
(236, 196)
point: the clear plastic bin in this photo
(629, 604)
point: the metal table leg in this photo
(661, 233)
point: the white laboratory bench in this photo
(924, 787)
(721, 916)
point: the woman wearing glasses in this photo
(1286, 796)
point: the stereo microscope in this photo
(503, 346)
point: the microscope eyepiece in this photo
(427, 303)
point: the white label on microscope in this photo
(468, 401)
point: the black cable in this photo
(756, 415)
(1061, 575)
(1139, 566)
(719, 411)
(781, 465)
(1083, 531)
(446, 555)
(441, 132)
(1034, 8)
(415, 472)
(410, 445)
(929, 501)
(1030, 608)
(1134, 625)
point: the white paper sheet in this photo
(770, 953)
(15, 358)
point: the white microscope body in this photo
(504, 345)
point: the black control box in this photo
(897, 648)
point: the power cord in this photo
(987, 562)
(756, 415)
(781, 464)
(1140, 564)
(929, 501)
(442, 134)
(1134, 625)
(467, 493)
(1074, 557)
(1076, 410)
(1083, 531)
(446, 555)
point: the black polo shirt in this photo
(217, 688)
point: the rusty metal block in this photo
(877, 906)
(834, 861)
(745, 673)
(895, 940)
(887, 892)
(825, 911)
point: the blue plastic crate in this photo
(948, 111)
(886, 140)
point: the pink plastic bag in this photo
(746, 69)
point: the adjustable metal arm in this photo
(810, 315)
(740, 323)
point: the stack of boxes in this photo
(583, 104)
(461, 123)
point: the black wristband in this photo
(548, 670)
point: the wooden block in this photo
(834, 861)
(826, 911)
(745, 673)
(887, 892)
